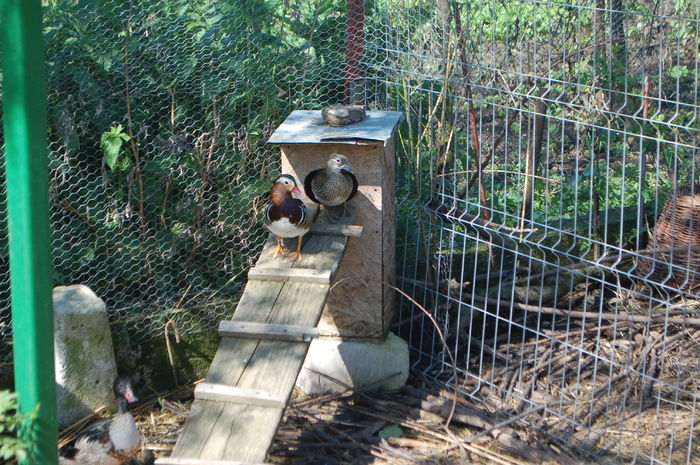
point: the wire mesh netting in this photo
(543, 141)
(158, 113)
(549, 211)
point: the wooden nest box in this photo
(361, 304)
(676, 242)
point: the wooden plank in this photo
(233, 357)
(299, 275)
(238, 431)
(253, 443)
(350, 230)
(319, 251)
(201, 419)
(254, 330)
(235, 394)
(258, 298)
(227, 366)
(232, 431)
(186, 461)
(275, 367)
(254, 429)
(297, 304)
(294, 303)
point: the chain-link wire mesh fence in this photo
(158, 113)
(547, 216)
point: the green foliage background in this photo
(11, 422)
(158, 115)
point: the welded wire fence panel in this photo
(550, 212)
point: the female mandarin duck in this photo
(107, 442)
(287, 216)
(333, 185)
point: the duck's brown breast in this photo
(331, 189)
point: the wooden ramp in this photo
(238, 407)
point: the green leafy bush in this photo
(11, 446)
(159, 112)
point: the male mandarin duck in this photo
(287, 216)
(107, 442)
(333, 185)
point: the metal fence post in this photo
(24, 105)
(354, 48)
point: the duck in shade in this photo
(333, 185)
(107, 442)
(286, 216)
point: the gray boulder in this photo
(84, 357)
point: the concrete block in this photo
(84, 357)
(364, 365)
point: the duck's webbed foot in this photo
(279, 250)
(296, 256)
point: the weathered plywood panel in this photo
(307, 127)
(360, 305)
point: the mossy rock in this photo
(146, 358)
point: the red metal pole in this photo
(353, 48)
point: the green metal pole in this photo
(24, 105)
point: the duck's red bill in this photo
(129, 396)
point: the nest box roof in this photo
(307, 127)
